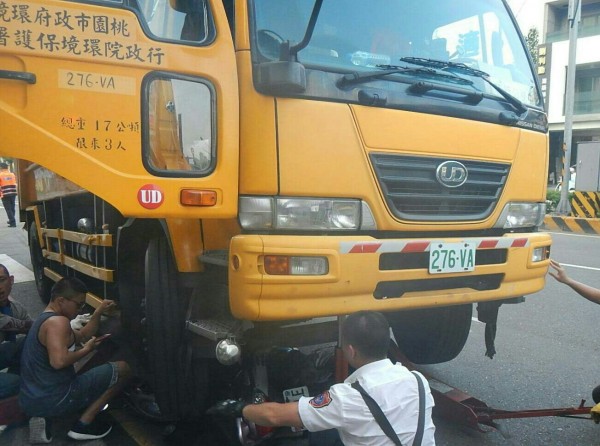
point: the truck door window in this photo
(179, 128)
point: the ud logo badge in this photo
(150, 196)
(451, 174)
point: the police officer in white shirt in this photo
(365, 341)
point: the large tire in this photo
(177, 382)
(432, 335)
(42, 283)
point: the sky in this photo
(529, 14)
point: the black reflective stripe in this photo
(9, 190)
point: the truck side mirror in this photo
(281, 78)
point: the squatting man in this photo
(365, 338)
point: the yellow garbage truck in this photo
(237, 174)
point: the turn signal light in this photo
(277, 265)
(195, 197)
(540, 254)
(296, 265)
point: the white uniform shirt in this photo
(394, 388)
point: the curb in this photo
(572, 224)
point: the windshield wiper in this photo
(462, 68)
(384, 70)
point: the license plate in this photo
(294, 394)
(451, 257)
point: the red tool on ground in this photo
(456, 406)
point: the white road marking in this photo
(476, 320)
(568, 234)
(21, 273)
(579, 266)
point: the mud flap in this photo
(487, 312)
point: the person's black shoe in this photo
(12, 226)
(596, 394)
(96, 429)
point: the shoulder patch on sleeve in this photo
(322, 400)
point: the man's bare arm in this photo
(590, 293)
(15, 325)
(55, 335)
(91, 328)
(273, 414)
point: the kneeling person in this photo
(49, 385)
(365, 337)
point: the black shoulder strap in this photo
(377, 413)
(382, 419)
(421, 423)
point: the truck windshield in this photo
(359, 35)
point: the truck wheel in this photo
(42, 283)
(432, 335)
(173, 379)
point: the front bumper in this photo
(362, 275)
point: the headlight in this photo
(305, 214)
(256, 212)
(521, 215)
(299, 213)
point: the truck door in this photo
(133, 100)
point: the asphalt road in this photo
(546, 358)
(547, 354)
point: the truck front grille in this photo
(413, 192)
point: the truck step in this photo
(215, 257)
(211, 328)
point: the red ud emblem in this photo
(150, 196)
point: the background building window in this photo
(587, 89)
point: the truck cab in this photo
(241, 173)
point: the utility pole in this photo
(564, 207)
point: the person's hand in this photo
(92, 344)
(560, 274)
(105, 305)
(228, 408)
(26, 326)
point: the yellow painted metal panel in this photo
(301, 131)
(395, 130)
(258, 150)
(88, 128)
(186, 243)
